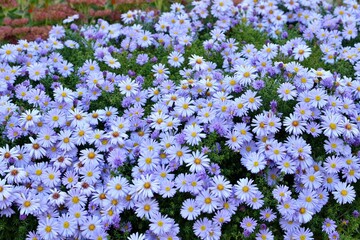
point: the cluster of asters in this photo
(62, 158)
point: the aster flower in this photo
(343, 193)
(146, 208)
(145, 187)
(248, 224)
(301, 52)
(331, 124)
(15, 175)
(128, 87)
(254, 162)
(193, 134)
(303, 233)
(160, 224)
(197, 62)
(207, 201)
(90, 226)
(48, 228)
(287, 91)
(175, 59)
(245, 74)
(267, 214)
(245, 189)
(202, 227)
(198, 162)
(36, 71)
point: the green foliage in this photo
(246, 34)
(16, 229)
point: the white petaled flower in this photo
(71, 18)
(198, 62)
(344, 193)
(301, 52)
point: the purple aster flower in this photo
(139, 79)
(142, 59)
(273, 106)
(356, 214)
(180, 138)
(258, 84)
(74, 27)
(131, 73)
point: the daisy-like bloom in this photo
(245, 75)
(67, 225)
(328, 226)
(267, 214)
(256, 201)
(198, 162)
(160, 224)
(303, 234)
(145, 187)
(167, 189)
(148, 160)
(63, 94)
(146, 208)
(28, 203)
(294, 125)
(112, 62)
(184, 106)
(202, 227)
(254, 162)
(66, 141)
(15, 175)
(245, 189)
(281, 193)
(75, 198)
(309, 198)
(36, 71)
(90, 156)
(344, 193)
(349, 129)
(160, 71)
(5, 190)
(55, 118)
(189, 209)
(90, 225)
(77, 117)
(175, 59)
(56, 197)
(128, 87)
(248, 224)
(198, 62)
(207, 202)
(8, 52)
(287, 91)
(318, 98)
(136, 236)
(220, 187)
(48, 228)
(264, 234)
(193, 134)
(301, 52)
(303, 214)
(179, 153)
(51, 177)
(29, 118)
(250, 100)
(331, 124)
(312, 179)
(145, 39)
(118, 187)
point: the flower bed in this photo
(225, 121)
